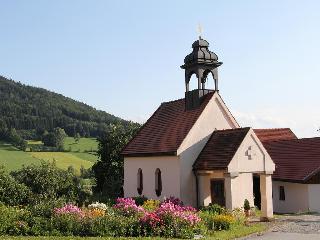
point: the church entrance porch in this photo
(217, 192)
(230, 190)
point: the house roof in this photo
(273, 134)
(296, 159)
(165, 130)
(220, 149)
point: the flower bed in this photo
(169, 219)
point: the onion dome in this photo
(201, 54)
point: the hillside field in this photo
(81, 153)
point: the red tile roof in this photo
(273, 134)
(220, 149)
(296, 159)
(165, 130)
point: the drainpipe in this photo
(197, 186)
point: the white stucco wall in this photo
(170, 172)
(238, 189)
(314, 197)
(260, 160)
(296, 197)
(205, 186)
(214, 116)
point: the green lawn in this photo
(13, 158)
(237, 231)
(85, 156)
(67, 238)
(63, 159)
(84, 144)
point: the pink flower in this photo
(186, 213)
(69, 209)
(128, 207)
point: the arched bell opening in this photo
(192, 82)
(209, 80)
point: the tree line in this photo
(30, 110)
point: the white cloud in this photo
(304, 121)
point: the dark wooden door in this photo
(217, 192)
(256, 191)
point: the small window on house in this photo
(140, 181)
(282, 195)
(158, 182)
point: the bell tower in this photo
(200, 62)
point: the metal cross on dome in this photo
(199, 30)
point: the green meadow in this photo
(81, 153)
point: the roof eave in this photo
(151, 154)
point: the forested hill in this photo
(31, 109)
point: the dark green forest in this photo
(32, 110)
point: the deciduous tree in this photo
(108, 170)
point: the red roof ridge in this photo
(230, 129)
(271, 129)
(172, 101)
(292, 140)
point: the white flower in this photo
(97, 205)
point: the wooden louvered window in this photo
(158, 182)
(282, 194)
(140, 181)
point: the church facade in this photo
(194, 149)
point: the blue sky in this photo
(124, 56)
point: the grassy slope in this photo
(62, 159)
(84, 144)
(13, 158)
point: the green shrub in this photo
(11, 192)
(217, 222)
(40, 226)
(13, 221)
(223, 222)
(213, 209)
(151, 205)
(67, 224)
(246, 205)
(140, 200)
(45, 208)
(48, 182)
(177, 228)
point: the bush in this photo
(41, 226)
(218, 222)
(214, 209)
(223, 222)
(45, 208)
(124, 219)
(140, 200)
(246, 205)
(13, 221)
(174, 200)
(151, 205)
(127, 207)
(11, 192)
(47, 182)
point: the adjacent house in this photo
(194, 149)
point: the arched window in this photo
(193, 82)
(209, 80)
(139, 181)
(158, 182)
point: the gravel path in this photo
(292, 227)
